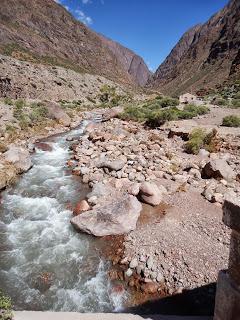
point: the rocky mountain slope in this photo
(206, 55)
(49, 34)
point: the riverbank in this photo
(180, 250)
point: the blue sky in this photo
(149, 27)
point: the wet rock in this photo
(7, 175)
(218, 169)
(43, 146)
(81, 207)
(19, 157)
(116, 217)
(151, 193)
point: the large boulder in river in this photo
(19, 157)
(55, 112)
(116, 217)
(151, 193)
(218, 169)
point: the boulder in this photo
(114, 165)
(19, 157)
(116, 217)
(218, 169)
(43, 146)
(151, 193)
(55, 112)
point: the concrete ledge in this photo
(38, 315)
(231, 213)
(227, 299)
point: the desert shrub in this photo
(38, 114)
(231, 121)
(8, 101)
(220, 101)
(20, 103)
(133, 113)
(158, 118)
(5, 307)
(236, 103)
(168, 102)
(237, 95)
(196, 141)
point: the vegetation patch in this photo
(199, 139)
(5, 307)
(157, 112)
(231, 121)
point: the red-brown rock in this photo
(81, 207)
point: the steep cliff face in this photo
(43, 31)
(206, 56)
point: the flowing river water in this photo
(44, 263)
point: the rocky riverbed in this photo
(136, 173)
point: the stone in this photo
(134, 263)
(151, 193)
(149, 287)
(128, 273)
(115, 165)
(84, 170)
(150, 262)
(43, 146)
(19, 157)
(231, 212)
(218, 169)
(134, 189)
(119, 216)
(7, 175)
(160, 278)
(81, 207)
(55, 112)
(203, 153)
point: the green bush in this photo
(196, 141)
(231, 121)
(5, 307)
(155, 115)
(220, 102)
(236, 103)
(20, 103)
(8, 101)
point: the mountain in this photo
(45, 32)
(205, 57)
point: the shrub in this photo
(231, 121)
(8, 101)
(236, 103)
(196, 141)
(20, 103)
(220, 102)
(5, 307)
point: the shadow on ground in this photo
(196, 302)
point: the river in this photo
(44, 263)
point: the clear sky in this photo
(149, 27)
